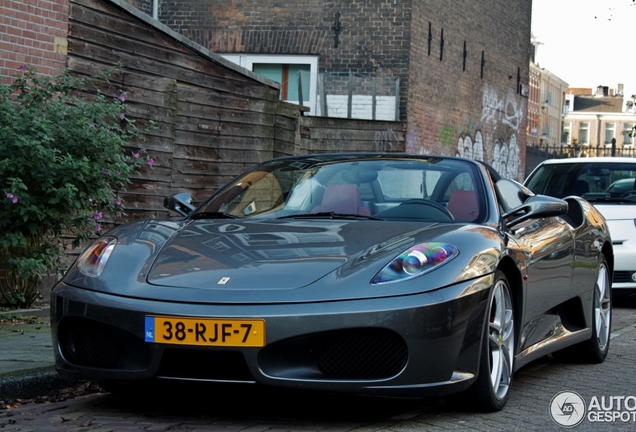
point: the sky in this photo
(587, 43)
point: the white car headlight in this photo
(415, 261)
(92, 262)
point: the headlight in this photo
(417, 260)
(92, 261)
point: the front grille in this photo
(352, 354)
(204, 364)
(85, 342)
(364, 354)
(622, 277)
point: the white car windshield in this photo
(594, 181)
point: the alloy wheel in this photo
(602, 306)
(501, 339)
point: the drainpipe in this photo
(155, 9)
(599, 143)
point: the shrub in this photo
(65, 156)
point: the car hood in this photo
(273, 254)
(613, 212)
(280, 261)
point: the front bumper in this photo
(418, 345)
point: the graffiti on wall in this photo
(447, 135)
(471, 148)
(383, 140)
(506, 110)
(468, 126)
(505, 156)
(492, 135)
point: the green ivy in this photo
(65, 155)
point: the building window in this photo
(628, 135)
(547, 99)
(285, 70)
(567, 133)
(289, 77)
(584, 133)
(610, 133)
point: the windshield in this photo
(423, 189)
(594, 181)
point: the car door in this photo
(548, 245)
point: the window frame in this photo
(248, 60)
(610, 128)
(628, 128)
(584, 126)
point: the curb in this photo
(34, 382)
(31, 383)
(39, 311)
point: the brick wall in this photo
(33, 33)
(458, 107)
(373, 35)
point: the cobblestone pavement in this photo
(193, 409)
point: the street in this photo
(215, 409)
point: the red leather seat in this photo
(463, 205)
(343, 199)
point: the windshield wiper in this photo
(328, 215)
(213, 215)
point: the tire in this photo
(595, 349)
(491, 389)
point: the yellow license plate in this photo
(205, 331)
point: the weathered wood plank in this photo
(249, 133)
(190, 113)
(354, 134)
(158, 66)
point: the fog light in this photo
(634, 277)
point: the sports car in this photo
(377, 274)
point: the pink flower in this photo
(151, 161)
(13, 198)
(122, 97)
(98, 228)
(106, 172)
(117, 201)
(118, 214)
(122, 116)
(118, 172)
(98, 216)
(136, 155)
(21, 68)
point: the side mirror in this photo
(511, 194)
(519, 203)
(538, 206)
(180, 202)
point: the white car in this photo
(608, 183)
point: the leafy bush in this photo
(64, 158)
